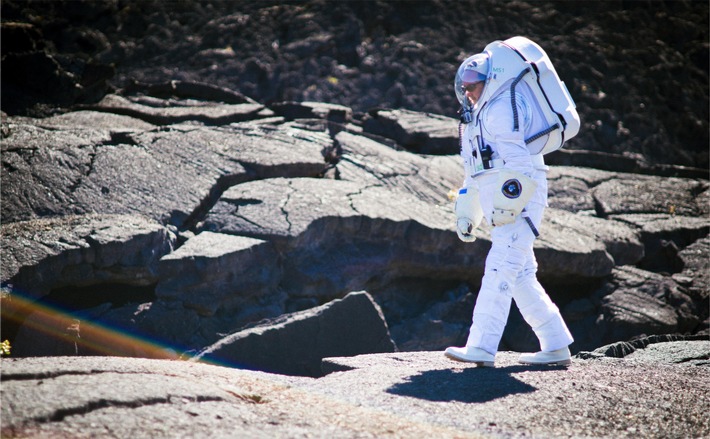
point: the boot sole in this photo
(464, 360)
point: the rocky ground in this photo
(163, 198)
(637, 70)
(401, 395)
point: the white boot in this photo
(560, 357)
(471, 355)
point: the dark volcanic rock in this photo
(161, 112)
(642, 194)
(48, 172)
(41, 255)
(417, 132)
(294, 344)
(403, 56)
(213, 271)
(416, 394)
(646, 303)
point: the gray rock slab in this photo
(168, 112)
(569, 188)
(645, 303)
(115, 123)
(666, 225)
(513, 400)
(308, 110)
(338, 234)
(694, 352)
(423, 133)
(108, 396)
(82, 250)
(664, 236)
(41, 167)
(430, 178)
(295, 344)
(168, 175)
(631, 193)
(696, 269)
(211, 270)
(342, 235)
(414, 394)
(566, 247)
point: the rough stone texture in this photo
(641, 194)
(115, 123)
(340, 202)
(294, 344)
(215, 271)
(663, 235)
(434, 134)
(160, 112)
(368, 216)
(309, 110)
(369, 161)
(84, 171)
(44, 254)
(623, 254)
(415, 394)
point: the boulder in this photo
(415, 131)
(645, 303)
(77, 251)
(663, 235)
(213, 271)
(295, 344)
(80, 171)
(169, 112)
(635, 194)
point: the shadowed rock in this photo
(294, 344)
(168, 175)
(44, 254)
(213, 271)
(162, 112)
(416, 394)
(418, 132)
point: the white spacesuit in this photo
(507, 186)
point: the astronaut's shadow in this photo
(469, 385)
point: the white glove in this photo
(516, 189)
(468, 213)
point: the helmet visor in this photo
(474, 69)
(472, 76)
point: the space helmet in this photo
(474, 69)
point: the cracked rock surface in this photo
(406, 394)
(278, 214)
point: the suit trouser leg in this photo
(504, 263)
(510, 273)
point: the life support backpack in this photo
(519, 59)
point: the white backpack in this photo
(520, 59)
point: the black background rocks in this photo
(637, 70)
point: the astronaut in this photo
(507, 186)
